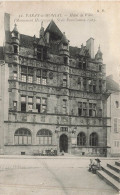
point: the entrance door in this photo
(63, 143)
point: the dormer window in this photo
(84, 65)
(40, 53)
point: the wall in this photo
(114, 112)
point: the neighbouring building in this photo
(54, 95)
(113, 111)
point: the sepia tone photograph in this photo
(59, 98)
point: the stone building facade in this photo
(113, 111)
(56, 94)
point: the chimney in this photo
(90, 47)
(7, 22)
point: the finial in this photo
(15, 27)
(41, 24)
(99, 47)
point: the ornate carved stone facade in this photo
(57, 94)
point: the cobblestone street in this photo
(50, 176)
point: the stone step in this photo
(114, 167)
(111, 173)
(109, 180)
(117, 163)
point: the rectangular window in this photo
(29, 140)
(92, 109)
(38, 104)
(44, 101)
(38, 107)
(30, 107)
(79, 112)
(23, 107)
(38, 80)
(44, 77)
(84, 106)
(40, 53)
(38, 100)
(16, 139)
(116, 125)
(79, 108)
(23, 104)
(30, 104)
(30, 79)
(64, 129)
(44, 105)
(23, 78)
(15, 75)
(44, 108)
(44, 81)
(116, 143)
(90, 112)
(25, 140)
(23, 98)
(30, 99)
(20, 140)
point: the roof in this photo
(26, 41)
(111, 85)
(52, 28)
(74, 51)
(1, 53)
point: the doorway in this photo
(63, 143)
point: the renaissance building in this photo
(52, 95)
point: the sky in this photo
(79, 21)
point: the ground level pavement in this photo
(25, 175)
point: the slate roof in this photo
(111, 85)
(52, 28)
(26, 41)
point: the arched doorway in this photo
(63, 143)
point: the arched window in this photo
(44, 137)
(22, 137)
(81, 139)
(93, 139)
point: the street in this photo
(50, 176)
